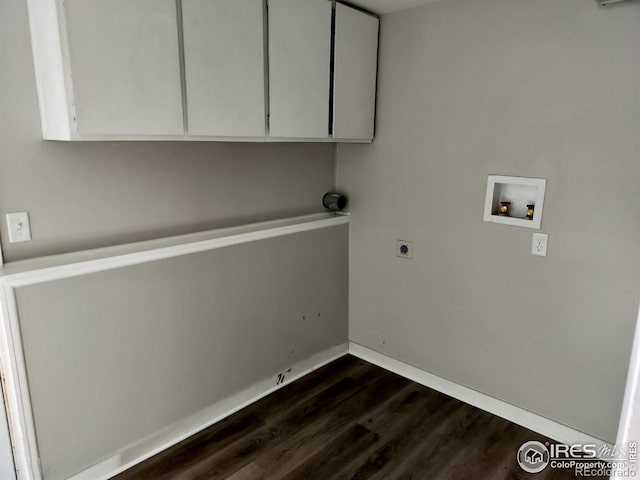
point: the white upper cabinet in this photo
(355, 69)
(224, 67)
(125, 66)
(239, 70)
(299, 68)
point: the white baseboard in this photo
(193, 424)
(179, 431)
(542, 425)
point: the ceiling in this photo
(387, 6)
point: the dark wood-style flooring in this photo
(350, 420)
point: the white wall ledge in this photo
(36, 270)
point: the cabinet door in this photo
(299, 68)
(224, 67)
(125, 66)
(355, 69)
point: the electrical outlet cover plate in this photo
(18, 226)
(539, 244)
(404, 249)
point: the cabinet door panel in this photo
(355, 69)
(224, 67)
(125, 66)
(299, 68)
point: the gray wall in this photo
(138, 348)
(95, 194)
(541, 88)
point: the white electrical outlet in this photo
(539, 244)
(404, 249)
(18, 225)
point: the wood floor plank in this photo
(172, 462)
(214, 439)
(454, 432)
(497, 456)
(417, 400)
(350, 420)
(245, 450)
(403, 426)
(334, 456)
(503, 463)
(314, 436)
(248, 472)
(294, 393)
(465, 460)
